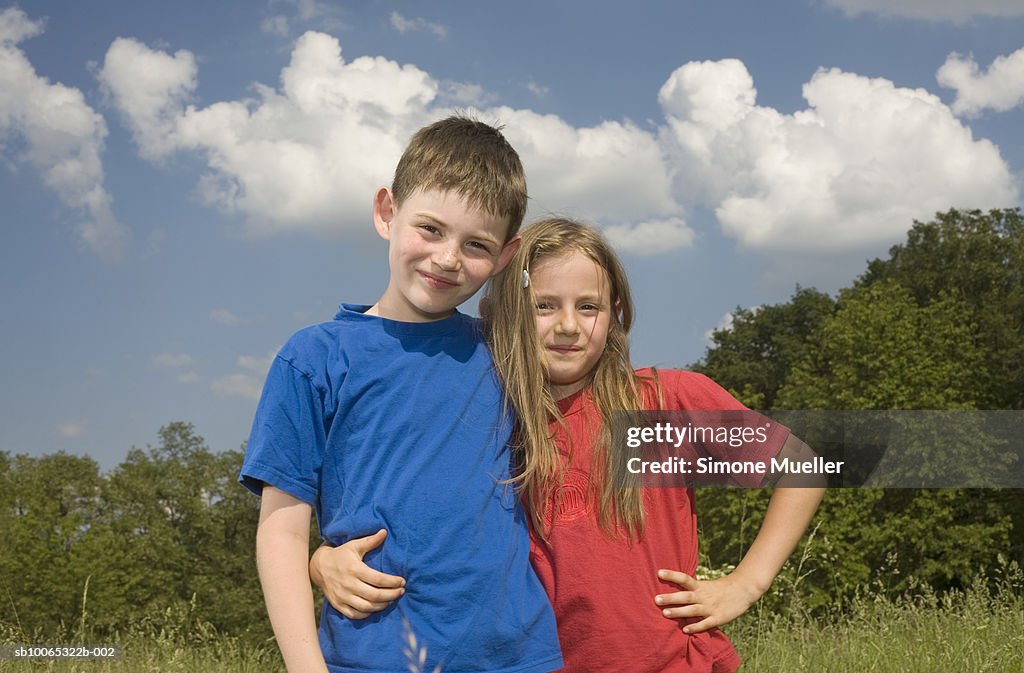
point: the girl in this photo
(559, 319)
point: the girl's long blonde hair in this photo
(614, 386)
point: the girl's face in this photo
(574, 313)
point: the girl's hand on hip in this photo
(706, 603)
(354, 589)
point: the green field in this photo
(974, 631)
(978, 629)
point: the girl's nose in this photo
(567, 323)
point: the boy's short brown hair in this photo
(469, 157)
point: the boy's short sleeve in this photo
(286, 445)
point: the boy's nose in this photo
(448, 259)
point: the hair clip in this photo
(526, 279)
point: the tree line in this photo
(939, 324)
(169, 531)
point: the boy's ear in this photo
(505, 256)
(383, 212)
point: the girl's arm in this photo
(717, 602)
(354, 589)
(282, 546)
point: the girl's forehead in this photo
(564, 261)
(569, 266)
(564, 253)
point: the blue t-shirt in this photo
(395, 425)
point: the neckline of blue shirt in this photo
(357, 313)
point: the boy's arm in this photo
(354, 589)
(720, 601)
(282, 546)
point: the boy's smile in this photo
(573, 318)
(441, 251)
(438, 282)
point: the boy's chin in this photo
(441, 307)
(430, 311)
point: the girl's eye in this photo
(590, 307)
(544, 306)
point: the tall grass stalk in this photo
(82, 635)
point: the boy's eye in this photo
(430, 229)
(480, 246)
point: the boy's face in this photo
(441, 251)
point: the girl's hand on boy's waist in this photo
(707, 603)
(353, 588)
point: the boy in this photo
(390, 418)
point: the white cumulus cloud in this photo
(275, 25)
(306, 157)
(309, 155)
(72, 429)
(247, 384)
(257, 364)
(612, 174)
(301, 12)
(58, 134)
(150, 89)
(223, 316)
(855, 167)
(460, 94)
(999, 88)
(404, 25)
(651, 237)
(852, 169)
(537, 90)
(238, 385)
(954, 11)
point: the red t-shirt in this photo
(603, 589)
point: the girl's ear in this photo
(383, 212)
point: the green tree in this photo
(977, 258)
(754, 356)
(881, 350)
(51, 504)
(937, 325)
(179, 532)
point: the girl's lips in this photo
(437, 282)
(563, 349)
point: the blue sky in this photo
(184, 185)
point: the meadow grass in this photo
(172, 641)
(142, 653)
(980, 628)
